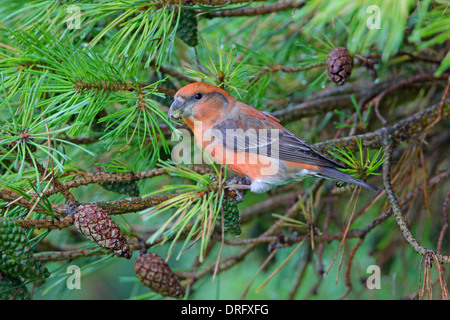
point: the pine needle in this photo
(281, 266)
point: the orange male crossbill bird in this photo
(254, 144)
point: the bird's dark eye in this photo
(198, 96)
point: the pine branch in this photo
(277, 67)
(173, 73)
(46, 224)
(419, 78)
(403, 130)
(254, 11)
(106, 177)
(388, 147)
(99, 92)
(119, 86)
(201, 2)
(114, 207)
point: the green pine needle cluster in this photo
(359, 166)
(193, 211)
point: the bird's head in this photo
(199, 101)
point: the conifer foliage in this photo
(87, 85)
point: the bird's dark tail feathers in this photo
(335, 174)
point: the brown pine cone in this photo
(96, 224)
(155, 273)
(339, 65)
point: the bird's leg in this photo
(242, 186)
(239, 180)
(239, 183)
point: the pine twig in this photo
(206, 2)
(46, 224)
(255, 11)
(348, 281)
(291, 69)
(108, 177)
(174, 73)
(445, 224)
(396, 207)
(82, 140)
(119, 86)
(121, 206)
(82, 252)
(327, 102)
(167, 91)
(412, 56)
(441, 105)
(403, 130)
(419, 78)
(300, 276)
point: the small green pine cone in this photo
(16, 256)
(153, 271)
(231, 217)
(26, 266)
(187, 27)
(13, 239)
(123, 187)
(12, 288)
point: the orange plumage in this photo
(253, 144)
